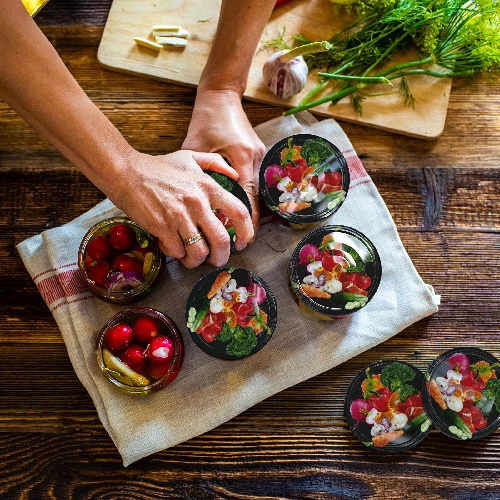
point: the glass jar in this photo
(151, 375)
(231, 313)
(235, 189)
(334, 271)
(460, 393)
(119, 261)
(387, 420)
(304, 180)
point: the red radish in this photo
(309, 253)
(134, 358)
(127, 263)
(333, 178)
(98, 248)
(257, 294)
(118, 337)
(160, 350)
(359, 409)
(121, 236)
(159, 370)
(145, 329)
(273, 175)
(459, 362)
(98, 272)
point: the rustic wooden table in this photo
(444, 197)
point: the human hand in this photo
(220, 125)
(171, 198)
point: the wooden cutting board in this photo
(315, 19)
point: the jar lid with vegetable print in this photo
(462, 395)
(384, 408)
(231, 313)
(334, 271)
(304, 180)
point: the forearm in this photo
(239, 30)
(36, 83)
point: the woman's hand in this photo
(172, 198)
(220, 125)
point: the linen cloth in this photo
(210, 391)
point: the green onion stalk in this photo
(469, 43)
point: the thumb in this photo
(214, 162)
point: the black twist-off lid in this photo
(304, 179)
(231, 313)
(349, 263)
(383, 406)
(462, 395)
(235, 189)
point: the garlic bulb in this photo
(285, 72)
(285, 79)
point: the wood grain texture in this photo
(314, 19)
(296, 444)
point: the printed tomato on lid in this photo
(304, 180)
(236, 190)
(334, 271)
(462, 395)
(384, 407)
(231, 313)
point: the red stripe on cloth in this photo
(361, 183)
(66, 302)
(61, 285)
(356, 168)
(55, 269)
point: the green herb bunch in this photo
(460, 36)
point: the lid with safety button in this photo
(384, 409)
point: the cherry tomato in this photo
(360, 281)
(333, 178)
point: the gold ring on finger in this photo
(192, 239)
